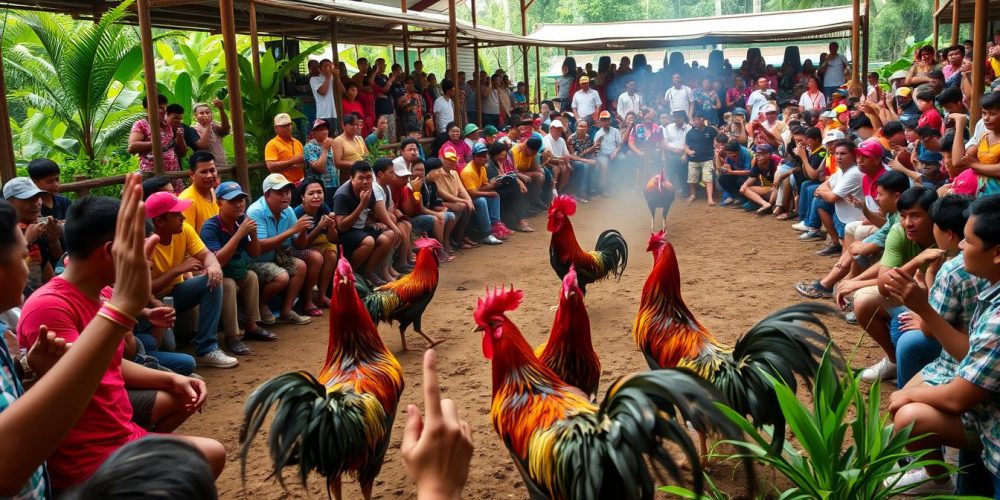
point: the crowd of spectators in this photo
(891, 178)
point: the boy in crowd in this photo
(65, 306)
(179, 253)
(232, 237)
(42, 236)
(733, 164)
(45, 174)
(277, 270)
(388, 181)
(812, 157)
(201, 192)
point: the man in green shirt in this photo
(872, 305)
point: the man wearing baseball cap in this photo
(284, 154)
(233, 239)
(609, 142)
(181, 252)
(278, 229)
(586, 102)
(42, 234)
(485, 197)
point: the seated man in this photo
(485, 196)
(961, 410)
(179, 253)
(733, 164)
(811, 153)
(384, 213)
(42, 234)
(365, 242)
(233, 239)
(875, 310)
(426, 211)
(525, 156)
(65, 306)
(201, 192)
(456, 198)
(275, 267)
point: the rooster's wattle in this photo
(566, 447)
(339, 421)
(659, 193)
(610, 255)
(569, 351)
(405, 299)
(782, 345)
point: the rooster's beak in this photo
(477, 329)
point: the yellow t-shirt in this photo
(183, 245)
(522, 158)
(199, 211)
(278, 149)
(473, 178)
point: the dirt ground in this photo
(735, 269)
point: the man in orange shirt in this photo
(283, 154)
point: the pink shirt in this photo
(106, 424)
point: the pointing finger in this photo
(432, 391)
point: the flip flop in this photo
(314, 312)
(783, 216)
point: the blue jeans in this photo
(177, 362)
(829, 208)
(582, 179)
(812, 217)
(914, 350)
(807, 192)
(487, 213)
(187, 295)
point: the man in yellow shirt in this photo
(201, 192)
(284, 154)
(485, 197)
(180, 251)
(525, 156)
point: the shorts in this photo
(701, 171)
(872, 291)
(859, 230)
(423, 224)
(320, 244)
(142, 401)
(351, 240)
(268, 271)
(838, 225)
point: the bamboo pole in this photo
(254, 41)
(955, 25)
(338, 99)
(478, 83)
(524, 54)
(865, 42)
(227, 24)
(406, 41)
(936, 22)
(855, 42)
(8, 167)
(538, 80)
(149, 74)
(979, 37)
(452, 43)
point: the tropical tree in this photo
(80, 72)
(193, 69)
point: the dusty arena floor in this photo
(735, 268)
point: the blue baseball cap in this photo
(479, 149)
(229, 190)
(928, 156)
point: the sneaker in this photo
(217, 359)
(830, 249)
(925, 486)
(812, 234)
(883, 370)
(813, 290)
(491, 240)
(295, 319)
(266, 316)
(801, 227)
(727, 201)
(851, 318)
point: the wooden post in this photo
(955, 24)
(227, 25)
(8, 166)
(254, 41)
(865, 41)
(478, 84)
(524, 54)
(935, 21)
(393, 49)
(149, 72)
(406, 41)
(538, 81)
(338, 99)
(856, 42)
(452, 44)
(979, 37)
(83, 192)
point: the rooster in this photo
(610, 255)
(569, 352)
(405, 299)
(659, 193)
(339, 421)
(566, 447)
(782, 345)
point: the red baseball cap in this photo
(965, 183)
(163, 202)
(870, 149)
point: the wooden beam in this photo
(149, 74)
(954, 23)
(524, 55)
(8, 167)
(170, 3)
(856, 43)
(979, 37)
(228, 26)
(254, 41)
(453, 43)
(338, 100)
(405, 28)
(538, 80)
(865, 42)
(936, 22)
(478, 85)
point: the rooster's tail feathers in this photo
(327, 432)
(614, 252)
(381, 304)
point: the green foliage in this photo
(194, 73)
(905, 60)
(378, 151)
(842, 456)
(261, 102)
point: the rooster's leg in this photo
(430, 341)
(336, 487)
(402, 338)
(366, 490)
(703, 439)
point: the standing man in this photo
(629, 100)
(586, 102)
(284, 154)
(675, 140)
(679, 97)
(444, 107)
(832, 70)
(326, 86)
(700, 151)
(210, 133)
(759, 99)
(609, 143)
(201, 192)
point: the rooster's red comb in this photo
(427, 243)
(497, 301)
(563, 203)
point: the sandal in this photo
(783, 216)
(260, 335)
(315, 312)
(466, 246)
(813, 290)
(765, 210)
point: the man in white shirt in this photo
(833, 70)
(629, 100)
(679, 97)
(759, 99)
(586, 102)
(325, 87)
(444, 106)
(674, 135)
(555, 145)
(609, 144)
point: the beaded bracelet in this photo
(115, 316)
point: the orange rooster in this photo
(659, 193)
(569, 351)
(782, 345)
(405, 299)
(566, 447)
(339, 422)
(610, 255)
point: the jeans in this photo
(914, 350)
(812, 218)
(731, 185)
(177, 362)
(974, 479)
(489, 119)
(677, 173)
(582, 179)
(603, 162)
(487, 213)
(807, 194)
(828, 91)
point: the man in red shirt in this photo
(65, 305)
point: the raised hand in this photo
(46, 350)
(132, 276)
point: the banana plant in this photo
(40, 135)
(194, 72)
